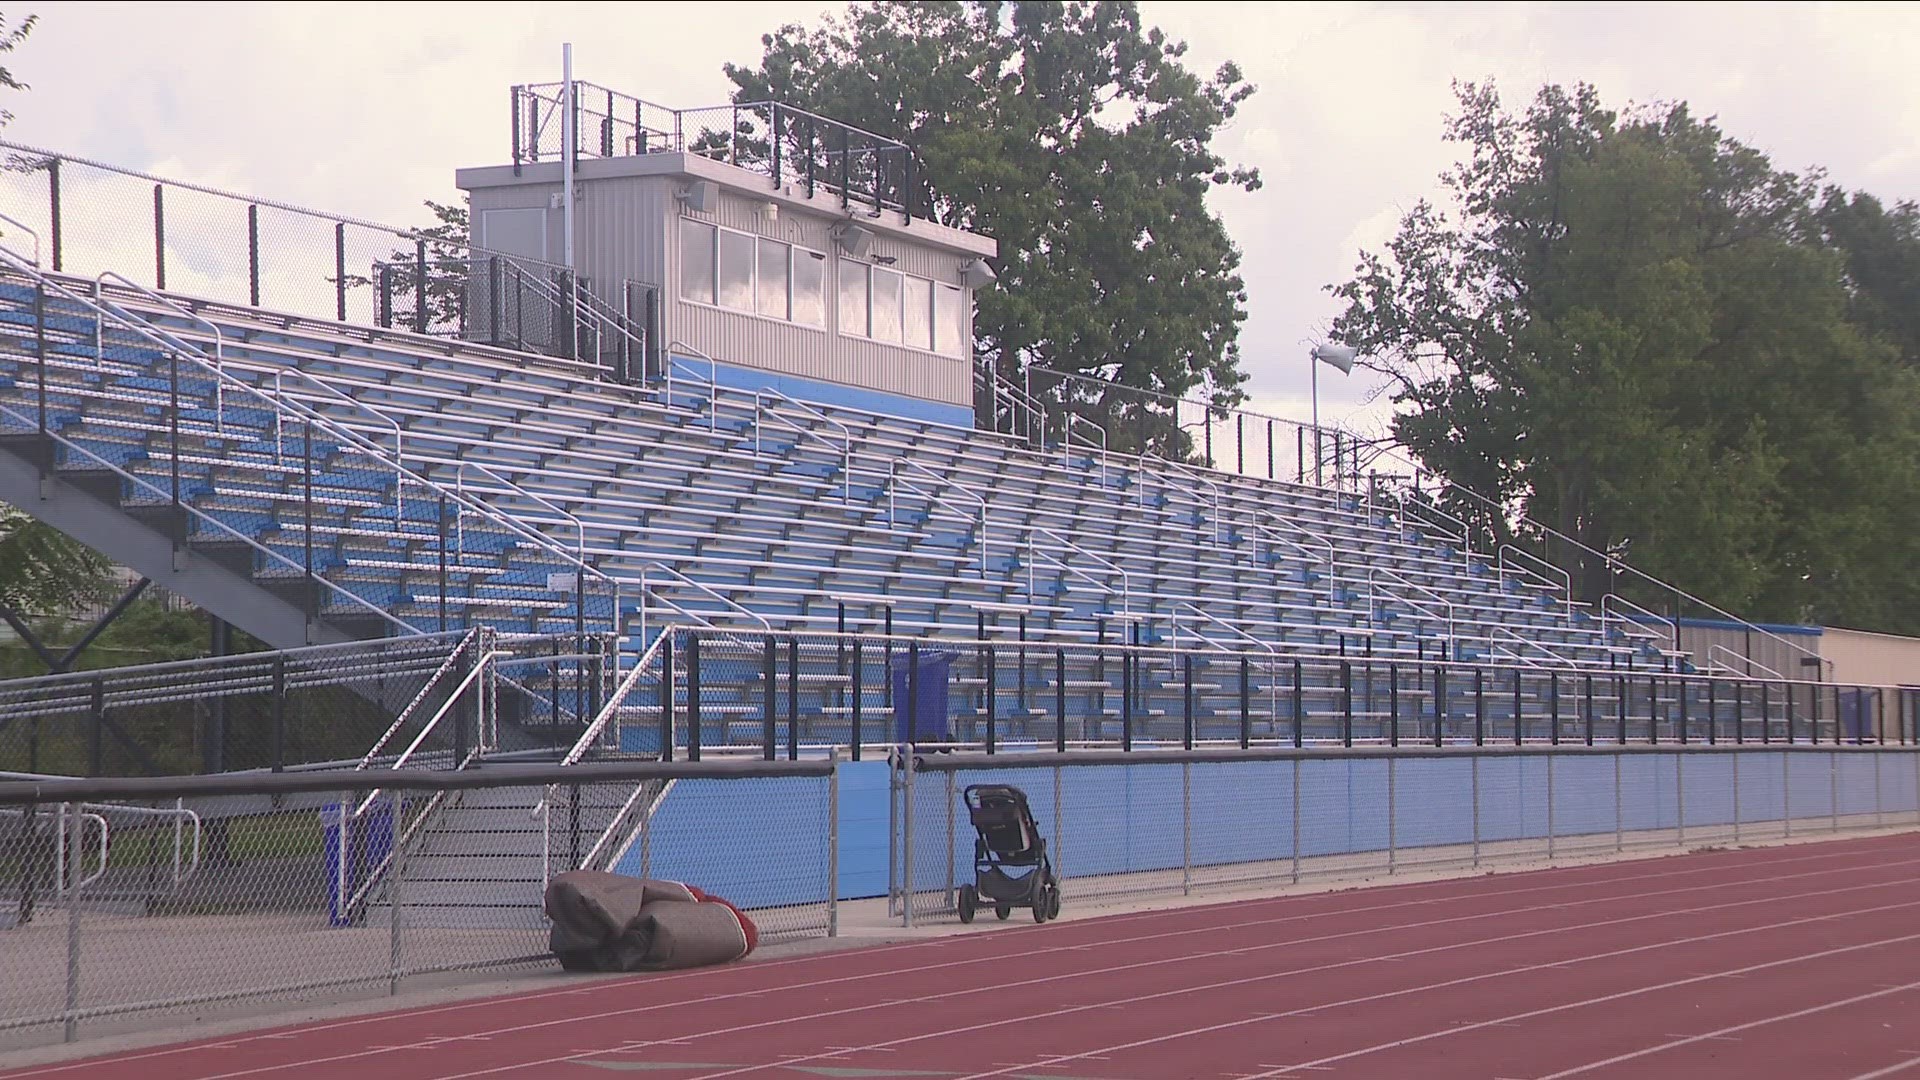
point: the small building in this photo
(776, 249)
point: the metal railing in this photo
(235, 248)
(895, 483)
(762, 413)
(1530, 565)
(785, 144)
(1445, 613)
(1034, 552)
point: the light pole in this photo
(1340, 356)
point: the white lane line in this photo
(1731, 1029)
(1565, 879)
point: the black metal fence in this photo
(776, 695)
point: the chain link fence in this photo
(1173, 823)
(115, 914)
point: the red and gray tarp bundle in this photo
(610, 922)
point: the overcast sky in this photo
(367, 109)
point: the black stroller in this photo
(1008, 838)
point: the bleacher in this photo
(737, 507)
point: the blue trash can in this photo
(368, 840)
(921, 718)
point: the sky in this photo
(366, 109)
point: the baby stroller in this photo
(1008, 838)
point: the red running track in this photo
(1799, 962)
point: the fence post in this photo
(1060, 699)
(1588, 708)
(1299, 718)
(1476, 809)
(853, 734)
(793, 698)
(693, 695)
(1619, 809)
(769, 698)
(1246, 711)
(993, 697)
(1519, 710)
(833, 842)
(396, 879)
(1186, 828)
(1296, 814)
(1393, 815)
(1479, 709)
(1736, 796)
(76, 836)
(1833, 776)
(666, 695)
(1553, 708)
(1186, 701)
(1346, 703)
(340, 271)
(1393, 705)
(159, 238)
(1551, 758)
(906, 840)
(1680, 794)
(951, 782)
(53, 210)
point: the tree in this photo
(12, 36)
(1629, 328)
(1083, 144)
(1881, 246)
(42, 571)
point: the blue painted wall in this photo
(828, 393)
(743, 839)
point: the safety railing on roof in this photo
(789, 146)
(260, 253)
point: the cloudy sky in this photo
(366, 109)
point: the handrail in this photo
(615, 702)
(1614, 600)
(433, 721)
(1333, 573)
(846, 433)
(1265, 645)
(1211, 485)
(614, 826)
(713, 379)
(1563, 661)
(1749, 661)
(894, 482)
(702, 587)
(406, 713)
(219, 339)
(582, 567)
(29, 230)
(179, 814)
(1126, 579)
(1373, 614)
(279, 425)
(61, 855)
(1566, 579)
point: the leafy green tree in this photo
(1881, 246)
(12, 36)
(1081, 142)
(1629, 327)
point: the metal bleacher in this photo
(735, 508)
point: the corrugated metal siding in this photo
(752, 341)
(627, 228)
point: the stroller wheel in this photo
(1053, 901)
(969, 901)
(1002, 911)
